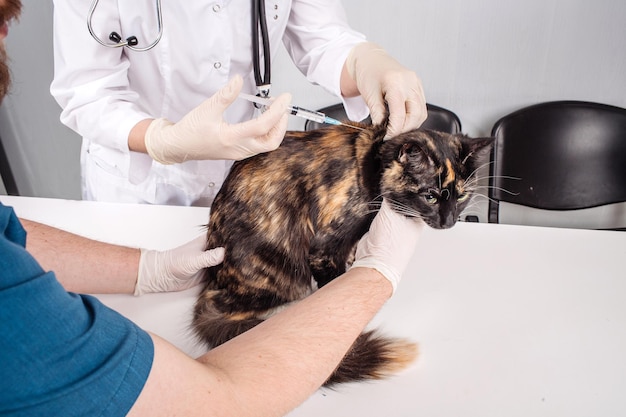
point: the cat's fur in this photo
(296, 213)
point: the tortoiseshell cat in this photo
(296, 213)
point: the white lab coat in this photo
(104, 92)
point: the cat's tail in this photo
(373, 356)
(215, 326)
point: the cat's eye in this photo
(430, 199)
(462, 197)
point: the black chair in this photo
(562, 155)
(439, 118)
(6, 174)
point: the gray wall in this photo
(485, 58)
(479, 58)
(44, 154)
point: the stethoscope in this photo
(131, 42)
(259, 26)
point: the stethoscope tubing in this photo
(259, 24)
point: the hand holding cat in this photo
(384, 82)
(175, 269)
(389, 244)
(204, 134)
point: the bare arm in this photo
(292, 353)
(83, 265)
(137, 136)
(87, 266)
(347, 84)
(273, 367)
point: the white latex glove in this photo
(204, 134)
(389, 244)
(381, 79)
(175, 269)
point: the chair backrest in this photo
(439, 118)
(562, 155)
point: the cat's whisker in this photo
(374, 205)
(488, 177)
(403, 209)
(477, 197)
(378, 199)
(477, 183)
(473, 202)
(471, 210)
(466, 212)
(490, 187)
(486, 198)
(482, 178)
(479, 168)
(475, 205)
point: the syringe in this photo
(312, 115)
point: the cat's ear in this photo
(380, 130)
(475, 148)
(411, 151)
(403, 154)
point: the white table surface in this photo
(510, 320)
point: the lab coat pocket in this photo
(193, 183)
(105, 180)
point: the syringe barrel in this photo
(308, 114)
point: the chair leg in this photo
(5, 172)
(493, 211)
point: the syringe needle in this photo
(312, 115)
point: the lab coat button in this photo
(211, 184)
(217, 8)
(217, 65)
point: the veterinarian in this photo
(153, 90)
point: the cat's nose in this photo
(448, 221)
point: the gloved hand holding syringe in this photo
(204, 134)
(312, 115)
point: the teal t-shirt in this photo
(61, 354)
